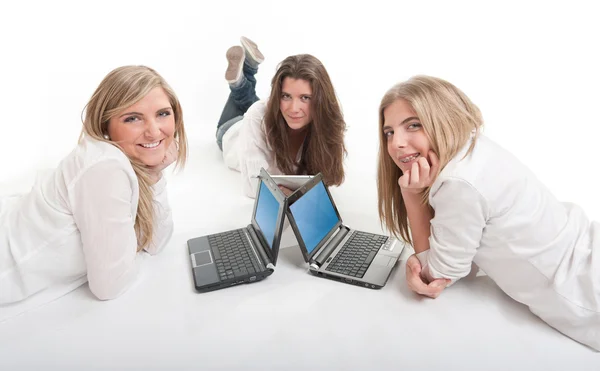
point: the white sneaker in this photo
(235, 57)
(251, 50)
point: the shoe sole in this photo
(235, 57)
(252, 49)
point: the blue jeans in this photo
(241, 97)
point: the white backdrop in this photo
(532, 67)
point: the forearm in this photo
(250, 170)
(163, 230)
(106, 227)
(456, 230)
(419, 220)
(110, 281)
(163, 219)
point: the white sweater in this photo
(490, 209)
(76, 224)
(246, 150)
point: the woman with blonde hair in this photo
(298, 130)
(103, 204)
(460, 199)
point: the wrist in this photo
(411, 195)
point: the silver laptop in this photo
(242, 255)
(334, 250)
(291, 182)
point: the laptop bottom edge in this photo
(348, 280)
(234, 281)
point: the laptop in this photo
(242, 255)
(291, 182)
(334, 250)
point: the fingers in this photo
(435, 162)
(431, 290)
(424, 169)
(415, 176)
(415, 281)
(435, 288)
(404, 180)
(416, 284)
(286, 191)
(422, 173)
(414, 264)
(413, 274)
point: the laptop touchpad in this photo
(384, 261)
(202, 258)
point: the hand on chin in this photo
(162, 159)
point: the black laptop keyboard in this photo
(357, 254)
(233, 255)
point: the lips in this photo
(151, 145)
(408, 158)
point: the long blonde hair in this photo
(323, 150)
(448, 117)
(122, 88)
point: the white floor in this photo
(531, 67)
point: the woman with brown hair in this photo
(104, 203)
(298, 130)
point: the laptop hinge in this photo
(259, 247)
(331, 245)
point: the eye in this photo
(388, 134)
(414, 126)
(164, 113)
(305, 98)
(131, 119)
(285, 96)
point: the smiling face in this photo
(295, 100)
(406, 139)
(145, 130)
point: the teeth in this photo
(151, 145)
(410, 158)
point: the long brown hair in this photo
(122, 88)
(323, 149)
(449, 118)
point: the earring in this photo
(106, 137)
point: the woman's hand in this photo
(421, 175)
(170, 157)
(286, 191)
(416, 282)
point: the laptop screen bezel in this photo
(316, 180)
(282, 201)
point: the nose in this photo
(152, 128)
(295, 105)
(399, 139)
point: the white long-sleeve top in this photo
(491, 209)
(246, 150)
(76, 224)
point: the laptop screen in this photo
(314, 215)
(267, 211)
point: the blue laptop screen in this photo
(267, 210)
(315, 216)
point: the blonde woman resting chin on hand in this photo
(461, 198)
(104, 203)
